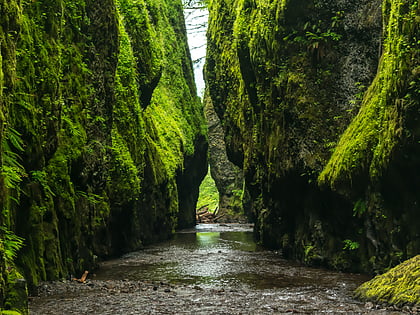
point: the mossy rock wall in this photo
(288, 79)
(103, 144)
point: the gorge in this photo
(103, 141)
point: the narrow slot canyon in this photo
(209, 157)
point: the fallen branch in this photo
(205, 207)
(216, 211)
(218, 217)
(202, 212)
(205, 216)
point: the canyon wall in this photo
(319, 103)
(103, 139)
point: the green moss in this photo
(126, 183)
(157, 115)
(147, 50)
(16, 292)
(367, 145)
(101, 96)
(283, 77)
(107, 114)
(399, 286)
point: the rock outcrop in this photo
(103, 143)
(227, 176)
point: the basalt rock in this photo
(102, 139)
(227, 176)
(319, 104)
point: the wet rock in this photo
(160, 294)
(369, 305)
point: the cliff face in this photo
(102, 139)
(289, 81)
(227, 176)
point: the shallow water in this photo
(221, 256)
(212, 269)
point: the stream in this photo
(211, 269)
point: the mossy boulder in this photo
(399, 286)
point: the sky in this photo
(196, 21)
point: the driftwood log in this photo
(204, 215)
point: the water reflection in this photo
(207, 239)
(220, 256)
(214, 269)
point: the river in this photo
(211, 269)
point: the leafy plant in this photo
(11, 170)
(11, 243)
(208, 193)
(350, 245)
(41, 178)
(359, 208)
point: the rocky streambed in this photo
(212, 269)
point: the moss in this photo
(399, 286)
(367, 145)
(163, 114)
(2, 275)
(291, 124)
(16, 292)
(101, 96)
(147, 51)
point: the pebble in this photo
(369, 305)
(140, 297)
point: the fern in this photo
(11, 169)
(11, 243)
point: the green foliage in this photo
(10, 313)
(311, 254)
(359, 208)
(317, 34)
(195, 3)
(350, 245)
(11, 244)
(209, 196)
(11, 169)
(41, 178)
(308, 251)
